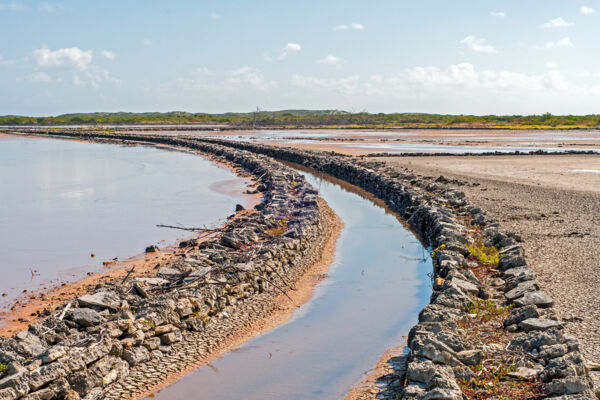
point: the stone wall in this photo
(440, 349)
(439, 352)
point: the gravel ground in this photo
(541, 199)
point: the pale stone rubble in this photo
(92, 354)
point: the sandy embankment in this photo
(553, 203)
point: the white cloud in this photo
(478, 45)
(205, 81)
(564, 42)
(248, 77)
(498, 14)
(355, 25)
(68, 58)
(557, 23)
(289, 48)
(7, 62)
(109, 55)
(347, 86)
(430, 85)
(12, 6)
(147, 42)
(551, 65)
(214, 15)
(50, 8)
(71, 64)
(586, 10)
(41, 76)
(94, 77)
(330, 60)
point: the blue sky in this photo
(472, 57)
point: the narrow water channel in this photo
(376, 286)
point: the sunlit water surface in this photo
(376, 286)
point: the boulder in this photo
(29, 345)
(571, 385)
(229, 240)
(101, 299)
(470, 357)
(534, 340)
(520, 314)
(136, 355)
(538, 324)
(53, 354)
(152, 249)
(537, 298)
(86, 317)
(521, 289)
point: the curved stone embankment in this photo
(487, 321)
(452, 342)
(131, 335)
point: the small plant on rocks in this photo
(486, 310)
(282, 226)
(149, 324)
(485, 255)
(440, 247)
(492, 381)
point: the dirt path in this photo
(555, 210)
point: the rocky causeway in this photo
(489, 318)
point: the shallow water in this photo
(396, 147)
(589, 171)
(62, 200)
(377, 284)
(445, 135)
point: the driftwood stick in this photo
(128, 273)
(189, 229)
(62, 315)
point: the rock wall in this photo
(442, 344)
(441, 349)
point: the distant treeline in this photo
(318, 119)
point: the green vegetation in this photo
(440, 247)
(492, 381)
(149, 324)
(486, 310)
(329, 119)
(485, 255)
(3, 367)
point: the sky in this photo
(456, 57)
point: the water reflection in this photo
(376, 286)
(62, 200)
